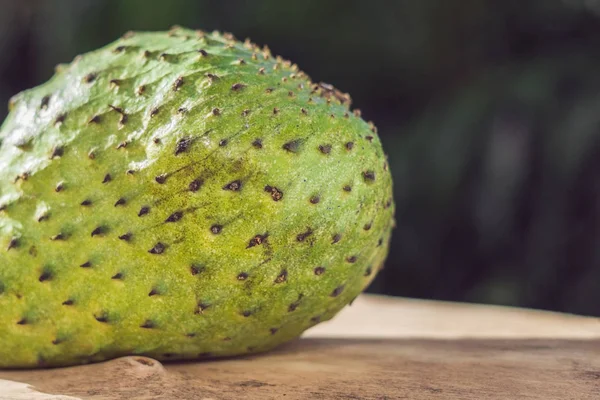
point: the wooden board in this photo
(470, 363)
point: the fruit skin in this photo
(181, 195)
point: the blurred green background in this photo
(489, 111)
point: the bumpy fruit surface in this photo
(181, 195)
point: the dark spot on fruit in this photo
(154, 112)
(86, 203)
(212, 77)
(176, 216)
(315, 200)
(201, 307)
(107, 178)
(57, 341)
(216, 112)
(46, 275)
(182, 145)
(115, 82)
(257, 144)
(91, 155)
(119, 49)
(237, 87)
(292, 146)
(275, 111)
(195, 185)
(349, 145)
(190, 335)
(369, 176)
(143, 211)
(178, 83)
(223, 143)
(304, 111)
(368, 271)
(216, 229)
(245, 113)
(242, 276)
(203, 52)
(59, 187)
(196, 269)
(45, 102)
(86, 264)
(95, 120)
(369, 138)
(257, 240)
(247, 313)
(282, 277)
(158, 248)
(290, 93)
(68, 302)
(120, 202)
(23, 321)
(337, 291)
(336, 238)
(57, 151)
(233, 186)
(57, 237)
(388, 204)
(347, 188)
(315, 320)
(269, 90)
(293, 306)
(140, 90)
(325, 148)
(122, 145)
(367, 226)
(14, 242)
(379, 242)
(154, 292)
(164, 56)
(126, 237)
(130, 172)
(276, 194)
(302, 236)
(351, 259)
(148, 324)
(98, 231)
(319, 270)
(273, 330)
(89, 78)
(117, 276)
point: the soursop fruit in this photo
(180, 195)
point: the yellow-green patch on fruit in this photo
(181, 195)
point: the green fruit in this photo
(182, 195)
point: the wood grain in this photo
(349, 369)
(427, 350)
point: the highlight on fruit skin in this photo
(182, 195)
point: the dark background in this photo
(489, 111)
